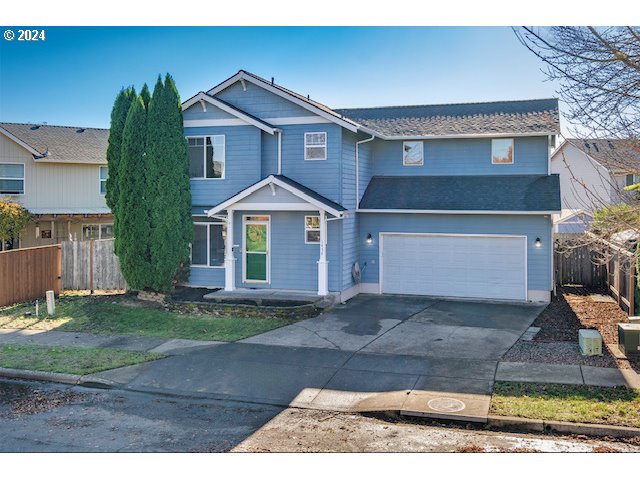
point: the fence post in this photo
(91, 266)
(59, 269)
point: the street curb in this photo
(538, 426)
(66, 378)
(41, 376)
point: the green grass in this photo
(104, 315)
(79, 361)
(569, 403)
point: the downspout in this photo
(279, 132)
(358, 168)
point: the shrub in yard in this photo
(169, 193)
(118, 117)
(134, 226)
(13, 219)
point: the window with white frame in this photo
(104, 174)
(12, 178)
(315, 146)
(502, 150)
(412, 154)
(97, 231)
(312, 229)
(207, 156)
(207, 249)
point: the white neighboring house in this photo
(58, 174)
(593, 173)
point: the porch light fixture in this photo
(538, 243)
(369, 239)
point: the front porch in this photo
(276, 239)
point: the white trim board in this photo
(234, 122)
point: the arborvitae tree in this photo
(168, 186)
(134, 230)
(118, 117)
(145, 95)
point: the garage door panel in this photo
(457, 266)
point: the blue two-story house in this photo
(443, 200)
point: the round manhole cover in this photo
(443, 404)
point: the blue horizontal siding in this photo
(206, 277)
(261, 103)
(462, 157)
(533, 226)
(242, 163)
(323, 176)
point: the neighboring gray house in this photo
(444, 200)
(59, 174)
(593, 173)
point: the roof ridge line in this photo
(447, 104)
(49, 125)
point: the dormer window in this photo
(315, 146)
(412, 154)
(502, 151)
(207, 156)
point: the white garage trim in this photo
(381, 236)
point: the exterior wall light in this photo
(369, 239)
(538, 243)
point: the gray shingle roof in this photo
(535, 193)
(64, 144)
(619, 156)
(491, 118)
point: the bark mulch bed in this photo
(573, 308)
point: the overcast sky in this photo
(73, 76)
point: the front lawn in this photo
(569, 403)
(123, 315)
(79, 361)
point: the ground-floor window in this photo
(97, 231)
(312, 229)
(207, 249)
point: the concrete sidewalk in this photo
(136, 343)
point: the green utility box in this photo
(629, 338)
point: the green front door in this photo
(256, 251)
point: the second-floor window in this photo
(502, 150)
(412, 154)
(12, 178)
(207, 156)
(315, 146)
(104, 174)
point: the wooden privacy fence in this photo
(27, 273)
(583, 265)
(578, 266)
(91, 265)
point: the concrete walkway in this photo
(55, 338)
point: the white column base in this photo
(323, 278)
(229, 274)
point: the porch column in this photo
(229, 260)
(323, 265)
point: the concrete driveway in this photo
(374, 353)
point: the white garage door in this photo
(472, 266)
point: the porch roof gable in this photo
(304, 193)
